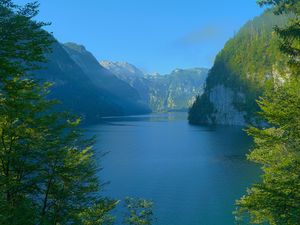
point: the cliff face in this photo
(177, 90)
(248, 62)
(225, 112)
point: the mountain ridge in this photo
(169, 92)
(86, 89)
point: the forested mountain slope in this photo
(249, 61)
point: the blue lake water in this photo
(193, 174)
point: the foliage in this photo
(47, 170)
(140, 212)
(289, 35)
(99, 214)
(276, 199)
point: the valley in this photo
(90, 135)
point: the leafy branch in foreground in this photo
(140, 212)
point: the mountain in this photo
(132, 76)
(175, 91)
(241, 71)
(122, 69)
(86, 88)
(104, 79)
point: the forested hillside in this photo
(240, 73)
(274, 199)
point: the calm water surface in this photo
(193, 174)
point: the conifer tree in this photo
(47, 170)
(276, 199)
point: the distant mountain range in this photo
(122, 70)
(227, 92)
(170, 92)
(86, 88)
(95, 90)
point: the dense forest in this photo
(275, 200)
(245, 66)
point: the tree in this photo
(47, 170)
(276, 199)
(290, 35)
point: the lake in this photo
(193, 174)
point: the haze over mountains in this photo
(227, 92)
(169, 92)
(86, 88)
(95, 90)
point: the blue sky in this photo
(155, 35)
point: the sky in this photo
(154, 35)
